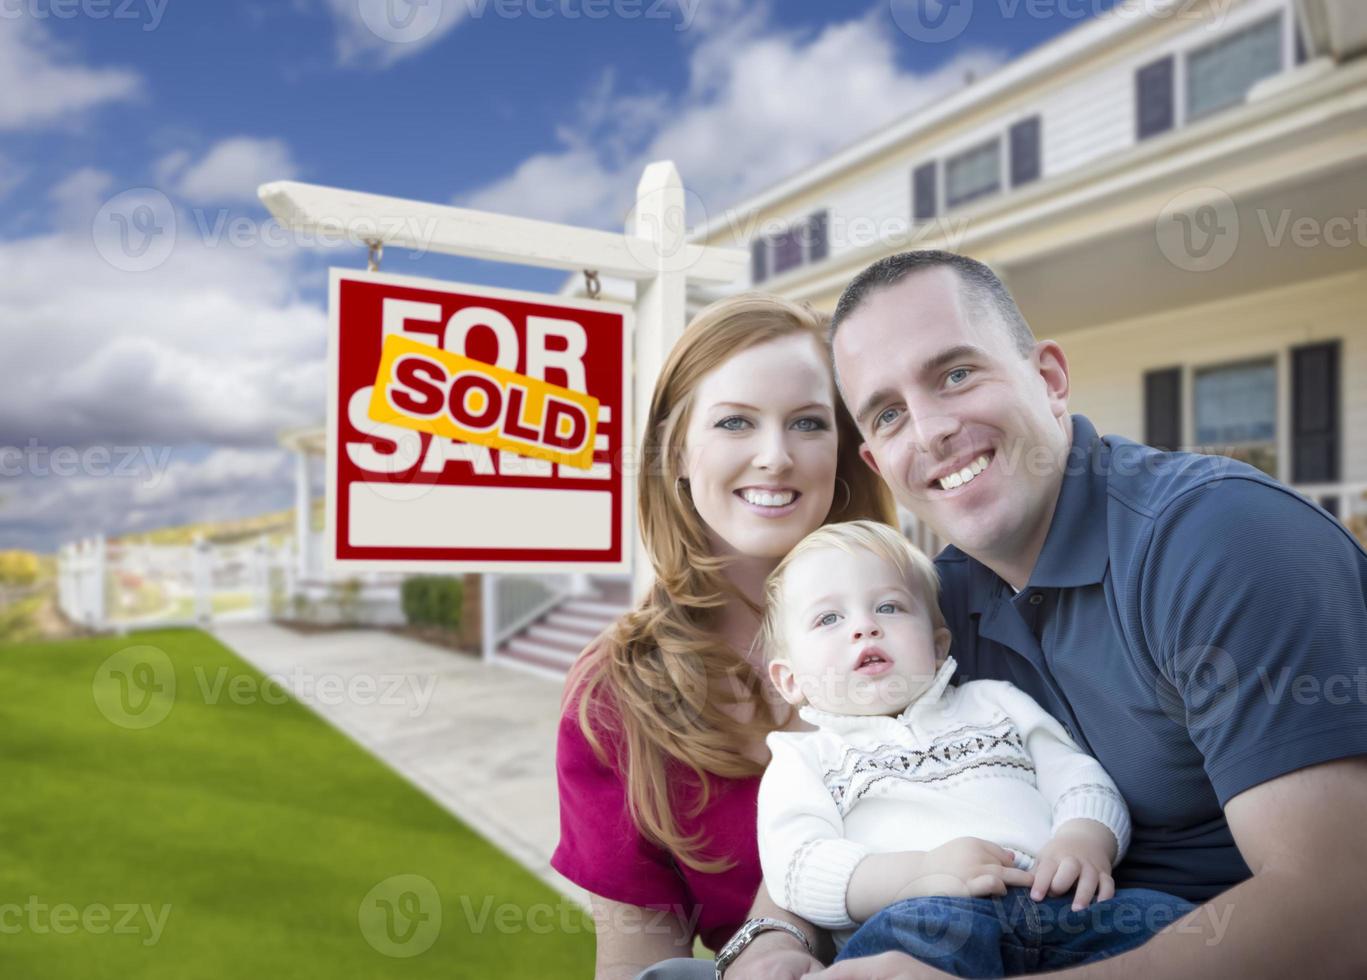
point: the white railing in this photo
(919, 533)
(110, 585)
(1351, 506)
(510, 603)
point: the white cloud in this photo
(230, 171)
(40, 85)
(211, 348)
(379, 33)
(212, 345)
(137, 488)
(761, 104)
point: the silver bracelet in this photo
(746, 934)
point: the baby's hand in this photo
(1080, 853)
(966, 867)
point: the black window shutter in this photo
(923, 192)
(1163, 408)
(817, 245)
(1025, 151)
(1153, 85)
(1315, 416)
(759, 260)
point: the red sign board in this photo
(536, 386)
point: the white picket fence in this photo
(104, 585)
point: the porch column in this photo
(302, 513)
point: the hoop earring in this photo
(848, 496)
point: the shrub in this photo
(432, 600)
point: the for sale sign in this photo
(475, 429)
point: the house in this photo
(1176, 192)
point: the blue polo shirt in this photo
(1198, 627)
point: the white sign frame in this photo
(623, 452)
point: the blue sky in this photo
(530, 107)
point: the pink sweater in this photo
(602, 851)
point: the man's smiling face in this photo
(970, 434)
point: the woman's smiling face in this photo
(760, 447)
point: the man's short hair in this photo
(982, 290)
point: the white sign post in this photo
(653, 252)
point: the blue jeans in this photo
(1008, 935)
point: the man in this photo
(1166, 607)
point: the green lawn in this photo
(235, 839)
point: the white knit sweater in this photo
(979, 760)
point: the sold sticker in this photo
(428, 389)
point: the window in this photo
(1025, 151)
(787, 248)
(1153, 98)
(1236, 412)
(1163, 408)
(973, 174)
(923, 192)
(759, 260)
(817, 243)
(799, 244)
(1220, 74)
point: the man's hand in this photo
(1081, 852)
(884, 966)
(773, 955)
(966, 867)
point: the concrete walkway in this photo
(478, 739)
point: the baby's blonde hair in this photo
(918, 571)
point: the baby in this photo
(946, 819)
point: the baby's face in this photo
(857, 639)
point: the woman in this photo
(661, 744)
